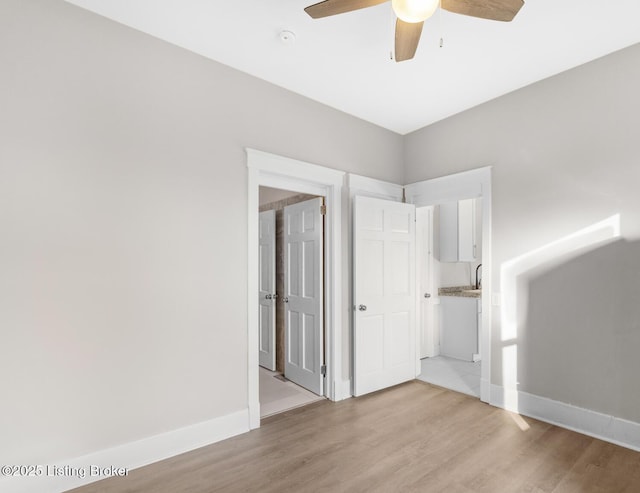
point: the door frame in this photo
(465, 185)
(265, 169)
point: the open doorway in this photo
(449, 261)
(265, 169)
(291, 300)
(464, 202)
(426, 196)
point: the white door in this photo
(429, 339)
(385, 351)
(267, 290)
(303, 296)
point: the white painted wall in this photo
(123, 195)
(565, 156)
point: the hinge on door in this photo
(323, 209)
(323, 370)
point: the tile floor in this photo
(454, 374)
(277, 395)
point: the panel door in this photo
(429, 335)
(267, 290)
(304, 324)
(385, 348)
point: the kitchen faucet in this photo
(478, 280)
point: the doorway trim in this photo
(465, 185)
(265, 169)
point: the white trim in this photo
(465, 185)
(131, 455)
(485, 386)
(296, 171)
(592, 423)
(253, 266)
(282, 172)
(344, 390)
(370, 187)
(287, 183)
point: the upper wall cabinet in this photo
(458, 236)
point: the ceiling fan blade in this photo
(496, 10)
(407, 39)
(333, 7)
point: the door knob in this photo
(267, 296)
(285, 299)
(362, 308)
(427, 295)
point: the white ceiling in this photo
(344, 61)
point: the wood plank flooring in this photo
(411, 438)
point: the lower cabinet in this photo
(459, 327)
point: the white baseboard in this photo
(485, 390)
(78, 471)
(343, 390)
(598, 425)
(254, 415)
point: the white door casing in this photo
(385, 351)
(291, 174)
(267, 290)
(303, 296)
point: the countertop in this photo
(461, 291)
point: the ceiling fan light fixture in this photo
(414, 10)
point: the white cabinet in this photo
(459, 327)
(458, 231)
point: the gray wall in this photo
(123, 226)
(565, 154)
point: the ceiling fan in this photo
(411, 15)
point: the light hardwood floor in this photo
(411, 438)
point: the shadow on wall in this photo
(514, 281)
(579, 329)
